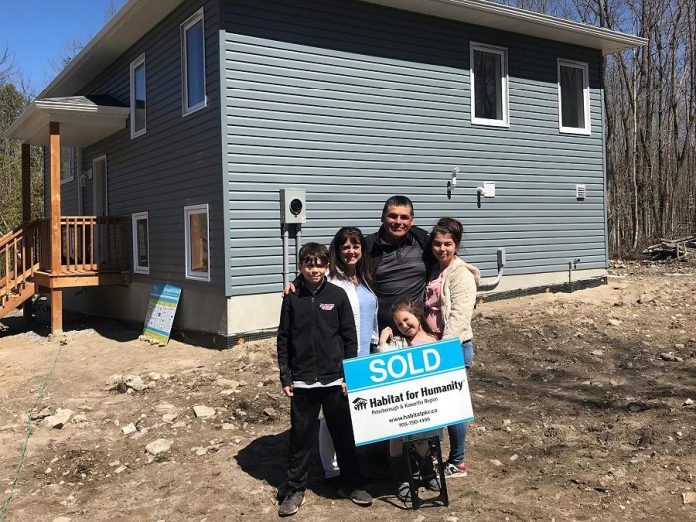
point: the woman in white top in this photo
(352, 271)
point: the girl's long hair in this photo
(407, 305)
(338, 268)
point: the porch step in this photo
(11, 301)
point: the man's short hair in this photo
(397, 201)
(313, 254)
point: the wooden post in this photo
(26, 218)
(56, 311)
(56, 294)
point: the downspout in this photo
(490, 284)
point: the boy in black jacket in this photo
(316, 332)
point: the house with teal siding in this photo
(185, 120)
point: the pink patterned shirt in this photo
(433, 305)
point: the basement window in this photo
(137, 97)
(193, 63)
(141, 243)
(197, 232)
(573, 97)
(489, 85)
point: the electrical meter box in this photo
(293, 207)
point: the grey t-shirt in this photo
(400, 272)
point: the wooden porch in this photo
(50, 254)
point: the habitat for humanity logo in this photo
(359, 404)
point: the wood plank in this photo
(84, 247)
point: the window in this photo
(67, 164)
(193, 63)
(141, 243)
(137, 97)
(489, 85)
(197, 245)
(573, 97)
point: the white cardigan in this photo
(350, 289)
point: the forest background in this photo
(650, 108)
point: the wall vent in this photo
(580, 192)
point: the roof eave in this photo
(521, 21)
(133, 20)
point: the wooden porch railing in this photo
(88, 243)
(19, 257)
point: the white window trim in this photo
(587, 130)
(140, 60)
(195, 209)
(503, 52)
(185, 109)
(134, 223)
(71, 166)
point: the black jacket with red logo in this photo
(316, 332)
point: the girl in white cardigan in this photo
(450, 296)
(350, 268)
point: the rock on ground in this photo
(58, 419)
(204, 412)
(159, 446)
(135, 381)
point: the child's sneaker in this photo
(455, 470)
(291, 504)
(357, 496)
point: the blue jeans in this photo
(457, 432)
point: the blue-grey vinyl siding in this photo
(355, 102)
(177, 162)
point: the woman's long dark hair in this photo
(338, 268)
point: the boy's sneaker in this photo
(455, 470)
(291, 504)
(357, 496)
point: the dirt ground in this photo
(583, 407)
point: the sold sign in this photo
(407, 391)
(398, 366)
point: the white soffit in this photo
(125, 28)
(82, 122)
(506, 18)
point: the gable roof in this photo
(137, 17)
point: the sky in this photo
(38, 34)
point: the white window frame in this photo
(190, 22)
(505, 85)
(587, 129)
(71, 165)
(188, 211)
(140, 60)
(138, 216)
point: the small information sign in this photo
(407, 391)
(161, 310)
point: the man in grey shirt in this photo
(401, 258)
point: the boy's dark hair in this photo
(397, 201)
(407, 306)
(448, 226)
(314, 253)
